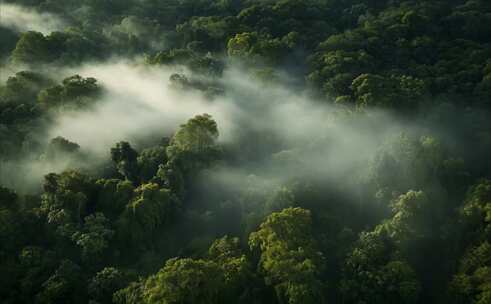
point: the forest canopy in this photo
(245, 151)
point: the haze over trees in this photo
(253, 151)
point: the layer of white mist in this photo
(308, 138)
(26, 175)
(312, 138)
(21, 19)
(138, 102)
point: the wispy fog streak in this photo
(23, 19)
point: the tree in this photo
(64, 286)
(192, 148)
(255, 48)
(32, 47)
(372, 273)
(105, 283)
(171, 176)
(93, 238)
(476, 212)
(37, 265)
(472, 282)
(136, 34)
(210, 30)
(337, 69)
(125, 158)
(184, 281)
(404, 163)
(65, 200)
(9, 221)
(197, 136)
(393, 92)
(23, 87)
(151, 209)
(8, 198)
(220, 278)
(133, 294)
(416, 219)
(171, 57)
(70, 46)
(75, 92)
(61, 147)
(290, 260)
(149, 161)
(236, 272)
(112, 196)
(412, 219)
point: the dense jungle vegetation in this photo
(332, 151)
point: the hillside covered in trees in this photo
(245, 151)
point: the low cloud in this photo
(290, 133)
(23, 19)
(138, 102)
(272, 130)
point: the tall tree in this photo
(289, 257)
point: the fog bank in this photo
(23, 19)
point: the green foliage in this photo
(149, 161)
(61, 147)
(113, 195)
(75, 92)
(472, 281)
(133, 294)
(198, 136)
(192, 148)
(405, 163)
(184, 281)
(476, 212)
(32, 47)
(255, 48)
(135, 34)
(174, 56)
(423, 234)
(65, 200)
(371, 274)
(63, 286)
(152, 206)
(289, 257)
(70, 46)
(23, 87)
(105, 283)
(37, 265)
(206, 64)
(407, 39)
(151, 209)
(211, 31)
(20, 116)
(125, 158)
(396, 92)
(217, 279)
(226, 252)
(8, 198)
(412, 219)
(93, 238)
(9, 220)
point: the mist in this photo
(21, 19)
(138, 102)
(283, 132)
(289, 132)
